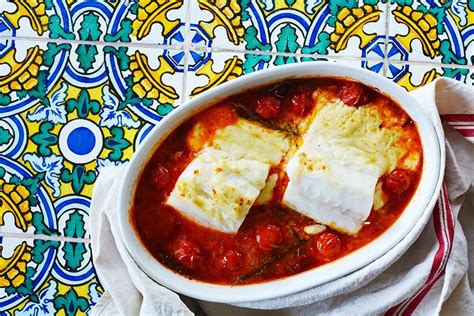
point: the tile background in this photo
(83, 82)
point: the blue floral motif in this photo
(310, 5)
(55, 112)
(269, 4)
(45, 305)
(111, 116)
(94, 294)
(106, 162)
(51, 166)
(459, 7)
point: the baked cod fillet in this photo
(333, 175)
(218, 188)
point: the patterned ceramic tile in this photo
(349, 28)
(415, 75)
(434, 31)
(156, 22)
(67, 110)
(208, 69)
(45, 277)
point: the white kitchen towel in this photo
(427, 269)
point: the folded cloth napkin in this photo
(427, 272)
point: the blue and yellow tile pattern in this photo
(82, 83)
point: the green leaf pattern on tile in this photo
(453, 72)
(74, 255)
(116, 143)
(90, 27)
(253, 43)
(40, 227)
(75, 226)
(90, 31)
(287, 40)
(252, 60)
(56, 30)
(245, 4)
(52, 51)
(78, 177)
(448, 56)
(44, 139)
(71, 303)
(86, 56)
(5, 136)
(83, 104)
(40, 247)
(121, 54)
(402, 2)
(123, 34)
(4, 99)
(49, 4)
(164, 109)
(321, 47)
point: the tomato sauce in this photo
(271, 243)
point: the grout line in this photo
(44, 237)
(273, 53)
(96, 43)
(432, 64)
(387, 34)
(186, 48)
(331, 57)
(230, 50)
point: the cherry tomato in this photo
(232, 260)
(188, 253)
(268, 107)
(301, 103)
(268, 236)
(354, 94)
(160, 177)
(329, 245)
(398, 181)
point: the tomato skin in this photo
(268, 236)
(398, 181)
(232, 260)
(188, 253)
(268, 107)
(301, 103)
(160, 177)
(354, 94)
(328, 245)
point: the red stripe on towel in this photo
(444, 228)
(465, 132)
(457, 117)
